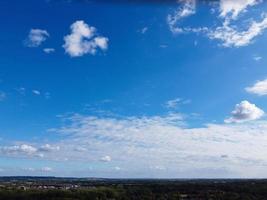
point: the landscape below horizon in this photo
(47, 188)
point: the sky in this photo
(133, 89)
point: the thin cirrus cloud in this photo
(232, 32)
(231, 37)
(187, 9)
(83, 39)
(259, 88)
(245, 111)
(36, 37)
(174, 103)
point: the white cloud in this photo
(174, 103)
(26, 150)
(144, 30)
(232, 8)
(31, 169)
(19, 149)
(49, 50)
(80, 149)
(135, 143)
(36, 92)
(232, 37)
(158, 167)
(245, 111)
(230, 34)
(187, 9)
(46, 169)
(106, 159)
(259, 88)
(257, 58)
(48, 148)
(36, 37)
(83, 40)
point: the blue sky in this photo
(154, 90)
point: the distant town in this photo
(39, 188)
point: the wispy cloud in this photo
(144, 30)
(257, 58)
(186, 9)
(49, 50)
(232, 32)
(135, 143)
(36, 37)
(174, 103)
(36, 92)
(232, 37)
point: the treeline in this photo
(232, 190)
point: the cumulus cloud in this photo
(245, 111)
(230, 8)
(83, 40)
(36, 37)
(259, 88)
(187, 8)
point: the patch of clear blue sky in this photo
(135, 73)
